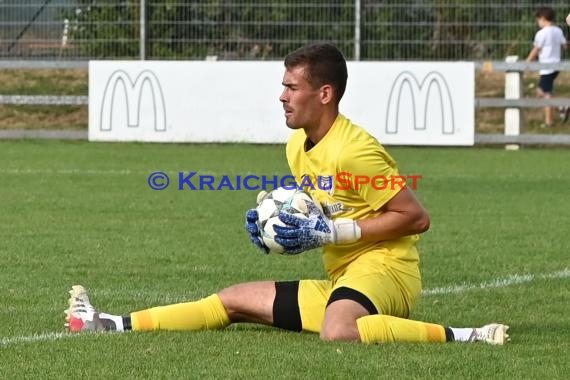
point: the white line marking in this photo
(35, 338)
(70, 171)
(77, 171)
(514, 279)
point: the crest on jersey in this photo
(325, 182)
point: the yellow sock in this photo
(385, 329)
(206, 314)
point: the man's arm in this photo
(533, 54)
(402, 215)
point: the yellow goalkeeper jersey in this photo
(335, 172)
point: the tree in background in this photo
(101, 29)
(269, 29)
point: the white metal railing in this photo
(514, 103)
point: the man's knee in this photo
(346, 331)
(340, 320)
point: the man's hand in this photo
(303, 234)
(251, 219)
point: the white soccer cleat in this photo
(494, 333)
(81, 315)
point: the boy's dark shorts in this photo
(546, 82)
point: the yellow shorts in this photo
(381, 287)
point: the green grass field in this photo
(78, 212)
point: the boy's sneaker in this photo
(494, 333)
(82, 316)
(564, 113)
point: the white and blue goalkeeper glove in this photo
(251, 219)
(303, 234)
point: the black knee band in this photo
(353, 295)
(286, 314)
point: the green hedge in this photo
(435, 29)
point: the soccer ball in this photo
(294, 201)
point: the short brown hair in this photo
(325, 65)
(546, 12)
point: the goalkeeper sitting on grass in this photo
(368, 237)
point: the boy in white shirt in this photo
(548, 44)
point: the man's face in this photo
(301, 102)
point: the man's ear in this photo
(326, 94)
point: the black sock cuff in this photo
(449, 337)
(127, 326)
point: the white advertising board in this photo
(401, 103)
